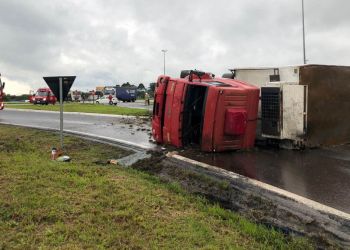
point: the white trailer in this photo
(305, 105)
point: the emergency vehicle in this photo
(217, 114)
(44, 96)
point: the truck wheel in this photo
(97, 103)
(110, 103)
(184, 73)
(228, 75)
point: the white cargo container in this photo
(284, 112)
(301, 105)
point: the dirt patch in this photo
(256, 204)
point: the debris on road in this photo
(64, 158)
(113, 161)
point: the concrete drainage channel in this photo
(255, 200)
(138, 154)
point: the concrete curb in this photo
(302, 200)
(264, 203)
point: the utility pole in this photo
(304, 53)
(164, 51)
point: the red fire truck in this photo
(43, 96)
(2, 86)
(215, 113)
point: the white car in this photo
(105, 100)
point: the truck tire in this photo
(228, 75)
(110, 103)
(184, 73)
(97, 102)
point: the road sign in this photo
(60, 86)
(54, 84)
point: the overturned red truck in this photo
(215, 113)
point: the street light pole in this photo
(164, 51)
(302, 8)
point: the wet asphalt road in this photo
(132, 130)
(322, 175)
(138, 104)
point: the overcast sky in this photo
(114, 41)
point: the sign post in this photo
(60, 86)
(61, 112)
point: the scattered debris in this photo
(54, 153)
(133, 158)
(169, 154)
(64, 158)
(113, 161)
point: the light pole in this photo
(164, 51)
(302, 9)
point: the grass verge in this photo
(85, 108)
(87, 204)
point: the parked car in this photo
(105, 100)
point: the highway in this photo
(322, 175)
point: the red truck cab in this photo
(43, 96)
(215, 113)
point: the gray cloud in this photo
(104, 42)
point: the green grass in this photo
(87, 204)
(85, 108)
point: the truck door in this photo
(159, 107)
(176, 114)
(173, 113)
